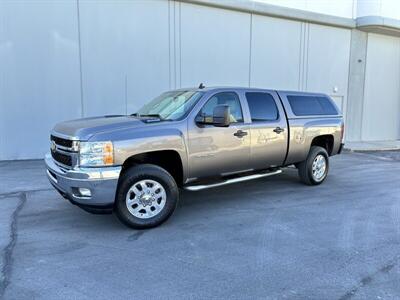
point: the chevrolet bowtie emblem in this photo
(53, 146)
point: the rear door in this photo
(268, 130)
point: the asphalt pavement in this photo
(272, 238)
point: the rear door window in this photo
(262, 107)
(311, 105)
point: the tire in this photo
(305, 168)
(153, 196)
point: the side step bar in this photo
(230, 181)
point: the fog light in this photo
(85, 192)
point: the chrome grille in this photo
(61, 142)
(64, 159)
(64, 151)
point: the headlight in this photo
(96, 154)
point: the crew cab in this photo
(194, 138)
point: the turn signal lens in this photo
(108, 151)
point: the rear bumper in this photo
(102, 183)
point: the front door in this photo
(219, 150)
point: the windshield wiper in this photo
(155, 116)
(151, 116)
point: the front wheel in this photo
(314, 169)
(147, 196)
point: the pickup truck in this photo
(195, 138)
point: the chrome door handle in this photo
(240, 133)
(278, 130)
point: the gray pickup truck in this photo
(194, 138)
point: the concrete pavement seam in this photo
(7, 252)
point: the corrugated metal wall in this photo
(62, 60)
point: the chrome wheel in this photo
(146, 199)
(319, 167)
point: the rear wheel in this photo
(314, 169)
(147, 196)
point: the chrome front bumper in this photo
(102, 183)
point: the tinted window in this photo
(262, 106)
(311, 105)
(225, 98)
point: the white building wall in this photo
(126, 58)
(69, 59)
(125, 54)
(272, 65)
(215, 46)
(381, 110)
(39, 72)
(328, 62)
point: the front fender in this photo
(128, 143)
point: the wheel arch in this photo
(325, 141)
(170, 160)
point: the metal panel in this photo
(328, 61)
(381, 114)
(275, 57)
(125, 54)
(215, 46)
(39, 58)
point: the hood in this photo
(85, 128)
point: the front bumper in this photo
(102, 183)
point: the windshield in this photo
(172, 105)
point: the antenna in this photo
(201, 86)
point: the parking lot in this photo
(264, 239)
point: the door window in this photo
(262, 107)
(225, 98)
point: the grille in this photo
(61, 141)
(62, 158)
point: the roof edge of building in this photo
(378, 24)
(255, 7)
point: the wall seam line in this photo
(307, 54)
(169, 44)
(80, 58)
(250, 50)
(348, 81)
(180, 47)
(175, 45)
(300, 57)
(303, 69)
(363, 90)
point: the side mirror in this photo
(221, 116)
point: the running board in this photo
(230, 181)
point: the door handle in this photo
(278, 130)
(240, 133)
